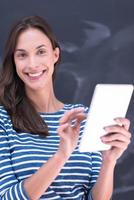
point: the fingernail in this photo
(106, 128)
(117, 119)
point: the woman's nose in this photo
(32, 62)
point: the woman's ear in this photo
(56, 54)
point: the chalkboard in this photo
(97, 42)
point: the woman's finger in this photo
(118, 144)
(115, 137)
(63, 127)
(123, 121)
(117, 129)
(78, 118)
(70, 115)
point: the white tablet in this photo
(108, 102)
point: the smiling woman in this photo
(31, 50)
(40, 135)
(34, 60)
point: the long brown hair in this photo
(12, 91)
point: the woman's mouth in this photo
(36, 76)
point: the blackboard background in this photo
(97, 41)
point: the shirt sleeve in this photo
(10, 187)
(96, 166)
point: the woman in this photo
(39, 135)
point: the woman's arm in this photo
(38, 183)
(103, 188)
(119, 138)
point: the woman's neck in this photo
(45, 101)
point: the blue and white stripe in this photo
(22, 154)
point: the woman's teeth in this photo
(35, 74)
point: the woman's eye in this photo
(21, 55)
(41, 52)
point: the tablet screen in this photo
(109, 101)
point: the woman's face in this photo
(34, 58)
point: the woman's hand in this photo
(69, 132)
(118, 136)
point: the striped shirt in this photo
(22, 154)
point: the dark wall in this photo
(97, 41)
